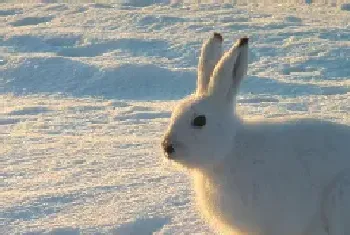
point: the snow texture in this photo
(87, 91)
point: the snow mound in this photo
(128, 81)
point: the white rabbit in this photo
(258, 178)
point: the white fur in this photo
(263, 178)
(210, 55)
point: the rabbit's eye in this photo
(199, 121)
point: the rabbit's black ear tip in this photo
(243, 41)
(218, 36)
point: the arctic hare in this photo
(259, 178)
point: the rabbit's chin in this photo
(200, 163)
(181, 164)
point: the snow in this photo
(87, 91)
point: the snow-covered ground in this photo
(87, 91)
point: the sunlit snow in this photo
(87, 91)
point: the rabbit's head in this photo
(202, 126)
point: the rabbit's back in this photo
(315, 146)
(274, 182)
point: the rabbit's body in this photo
(284, 183)
(272, 178)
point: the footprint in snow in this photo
(143, 116)
(10, 12)
(101, 5)
(31, 21)
(65, 231)
(30, 111)
(133, 45)
(8, 121)
(141, 226)
(60, 7)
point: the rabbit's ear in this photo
(229, 72)
(210, 55)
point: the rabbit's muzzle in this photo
(167, 147)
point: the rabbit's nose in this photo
(167, 147)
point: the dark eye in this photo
(199, 121)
